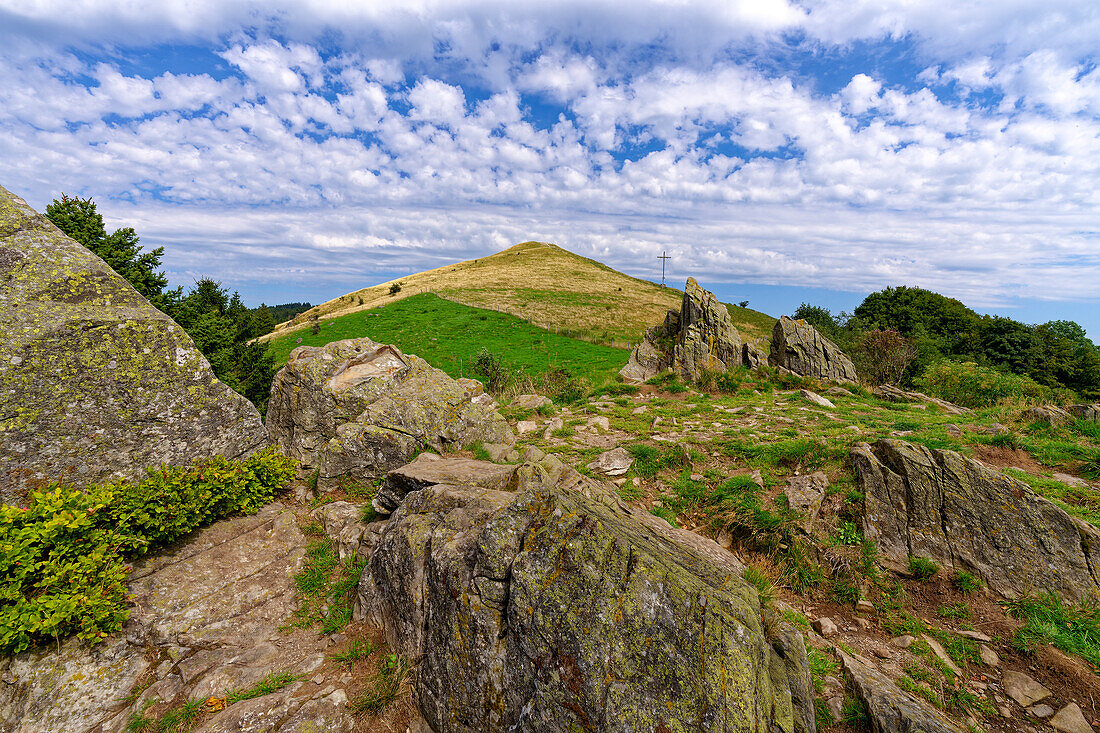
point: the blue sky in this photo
(780, 151)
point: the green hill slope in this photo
(542, 284)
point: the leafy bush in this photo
(395, 289)
(490, 366)
(883, 356)
(972, 385)
(62, 559)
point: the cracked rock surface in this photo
(355, 409)
(559, 608)
(964, 515)
(206, 620)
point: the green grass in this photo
(450, 335)
(326, 588)
(1050, 620)
(359, 649)
(922, 568)
(1083, 503)
(384, 687)
(269, 684)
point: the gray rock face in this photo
(893, 710)
(804, 495)
(966, 516)
(210, 610)
(700, 337)
(429, 469)
(559, 609)
(614, 462)
(355, 409)
(1090, 413)
(95, 383)
(752, 356)
(797, 346)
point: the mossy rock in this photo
(96, 383)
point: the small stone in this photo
(1041, 711)
(816, 399)
(636, 481)
(864, 606)
(696, 477)
(600, 422)
(725, 540)
(825, 627)
(526, 426)
(975, 635)
(530, 401)
(638, 410)
(619, 482)
(1069, 480)
(881, 652)
(903, 642)
(614, 462)
(1023, 689)
(836, 707)
(862, 622)
(989, 657)
(16, 360)
(1070, 719)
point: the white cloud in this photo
(304, 156)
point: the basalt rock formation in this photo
(797, 346)
(558, 608)
(701, 336)
(355, 409)
(96, 383)
(963, 515)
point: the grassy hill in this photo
(450, 336)
(542, 284)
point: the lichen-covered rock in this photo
(1090, 413)
(700, 337)
(1051, 414)
(752, 356)
(95, 383)
(707, 339)
(797, 346)
(560, 609)
(891, 709)
(429, 469)
(965, 516)
(355, 409)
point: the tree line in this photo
(934, 328)
(219, 323)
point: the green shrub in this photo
(972, 385)
(62, 559)
(922, 568)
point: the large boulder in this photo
(355, 409)
(96, 382)
(701, 336)
(963, 515)
(797, 346)
(558, 608)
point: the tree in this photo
(78, 219)
(882, 357)
(906, 310)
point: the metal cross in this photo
(662, 257)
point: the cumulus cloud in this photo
(438, 130)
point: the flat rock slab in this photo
(208, 610)
(892, 709)
(1070, 719)
(1023, 689)
(530, 401)
(816, 399)
(429, 470)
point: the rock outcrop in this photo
(891, 393)
(797, 346)
(355, 409)
(558, 609)
(700, 337)
(95, 383)
(963, 515)
(206, 619)
(1056, 415)
(429, 470)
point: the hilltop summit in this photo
(541, 283)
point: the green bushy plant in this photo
(973, 385)
(62, 558)
(922, 568)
